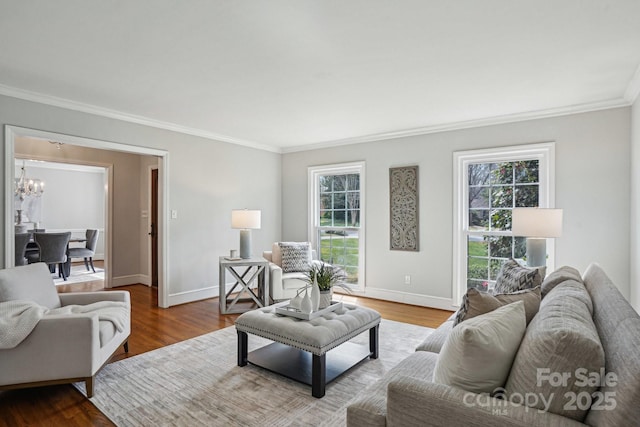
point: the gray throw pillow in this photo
(560, 339)
(296, 256)
(478, 353)
(514, 277)
(560, 275)
(475, 303)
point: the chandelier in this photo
(28, 187)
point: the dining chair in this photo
(53, 249)
(88, 251)
(22, 239)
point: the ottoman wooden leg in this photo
(318, 375)
(373, 342)
(242, 348)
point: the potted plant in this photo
(326, 276)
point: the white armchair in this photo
(66, 347)
(283, 286)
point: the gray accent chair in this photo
(88, 251)
(62, 348)
(52, 249)
(21, 239)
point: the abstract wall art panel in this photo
(403, 185)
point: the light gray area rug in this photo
(198, 383)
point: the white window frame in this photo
(314, 173)
(543, 152)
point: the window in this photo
(490, 183)
(336, 220)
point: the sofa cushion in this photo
(560, 339)
(477, 355)
(296, 256)
(434, 342)
(31, 282)
(475, 303)
(369, 408)
(560, 275)
(514, 277)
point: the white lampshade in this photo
(536, 222)
(245, 219)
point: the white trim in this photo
(631, 93)
(314, 173)
(12, 132)
(406, 298)
(132, 279)
(193, 295)
(131, 118)
(633, 88)
(31, 163)
(461, 161)
(477, 123)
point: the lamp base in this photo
(536, 251)
(245, 244)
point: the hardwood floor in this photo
(152, 328)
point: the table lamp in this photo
(245, 220)
(536, 224)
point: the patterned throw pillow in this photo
(295, 256)
(513, 277)
(475, 303)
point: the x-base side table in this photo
(245, 272)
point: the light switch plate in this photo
(174, 214)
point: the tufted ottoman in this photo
(300, 350)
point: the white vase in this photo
(305, 305)
(325, 298)
(296, 301)
(315, 295)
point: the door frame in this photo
(12, 132)
(150, 169)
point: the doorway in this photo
(13, 132)
(154, 227)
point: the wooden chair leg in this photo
(61, 271)
(91, 262)
(86, 263)
(126, 346)
(88, 384)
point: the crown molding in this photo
(633, 88)
(447, 127)
(131, 118)
(631, 94)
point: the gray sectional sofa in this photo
(561, 338)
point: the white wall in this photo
(592, 186)
(635, 205)
(207, 179)
(74, 200)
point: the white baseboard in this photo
(409, 298)
(197, 294)
(132, 279)
(194, 295)
(382, 294)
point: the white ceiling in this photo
(285, 75)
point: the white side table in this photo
(245, 272)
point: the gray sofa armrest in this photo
(74, 355)
(412, 402)
(84, 298)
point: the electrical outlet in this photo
(407, 280)
(174, 214)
